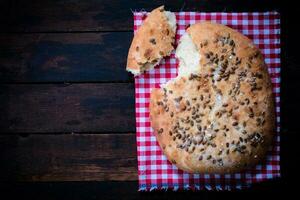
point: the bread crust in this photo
(153, 40)
(222, 119)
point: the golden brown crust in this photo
(222, 119)
(153, 40)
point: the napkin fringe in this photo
(195, 187)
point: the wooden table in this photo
(67, 118)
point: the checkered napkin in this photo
(154, 170)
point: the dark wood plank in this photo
(128, 190)
(52, 108)
(71, 157)
(90, 157)
(103, 15)
(85, 57)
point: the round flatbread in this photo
(218, 115)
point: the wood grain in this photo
(90, 157)
(61, 108)
(103, 15)
(69, 57)
(72, 157)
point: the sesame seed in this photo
(193, 149)
(159, 103)
(235, 123)
(178, 99)
(160, 131)
(152, 40)
(199, 127)
(187, 102)
(201, 97)
(198, 120)
(207, 55)
(192, 123)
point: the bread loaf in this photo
(217, 115)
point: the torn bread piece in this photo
(217, 115)
(153, 40)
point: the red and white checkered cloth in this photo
(154, 170)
